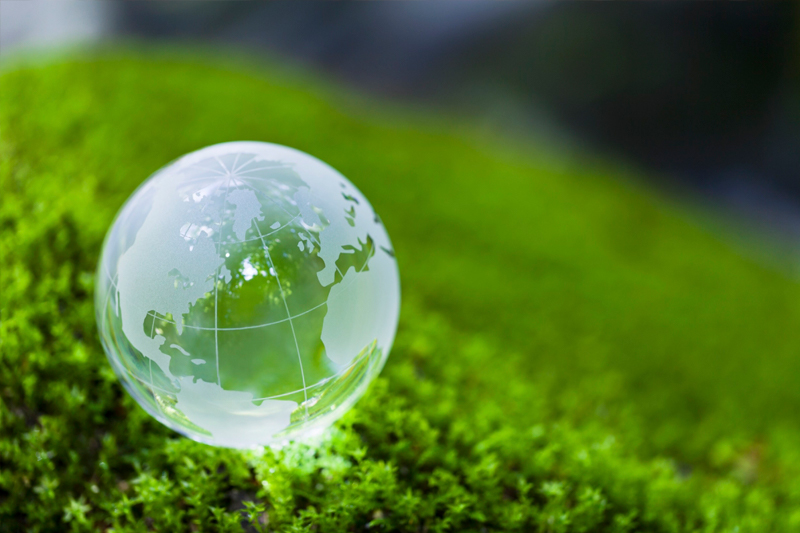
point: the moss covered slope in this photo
(574, 354)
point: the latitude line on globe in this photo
(291, 324)
(305, 388)
(281, 395)
(339, 373)
(164, 275)
(256, 326)
(216, 328)
(336, 375)
(271, 232)
(144, 382)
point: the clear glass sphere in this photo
(247, 293)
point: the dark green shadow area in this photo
(575, 353)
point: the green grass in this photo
(574, 354)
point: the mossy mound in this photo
(574, 353)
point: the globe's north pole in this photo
(247, 293)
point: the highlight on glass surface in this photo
(247, 293)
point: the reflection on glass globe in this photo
(247, 293)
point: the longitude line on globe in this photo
(219, 184)
(310, 234)
(235, 175)
(216, 279)
(235, 160)
(251, 160)
(224, 168)
(289, 314)
(260, 237)
(258, 169)
(152, 384)
(342, 371)
(219, 176)
(199, 165)
(206, 170)
(273, 231)
(244, 164)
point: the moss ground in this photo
(575, 353)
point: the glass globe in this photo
(247, 293)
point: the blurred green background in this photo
(583, 346)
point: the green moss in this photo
(574, 353)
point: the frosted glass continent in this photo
(247, 293)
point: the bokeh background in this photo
(595, 209)
(703, 96)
